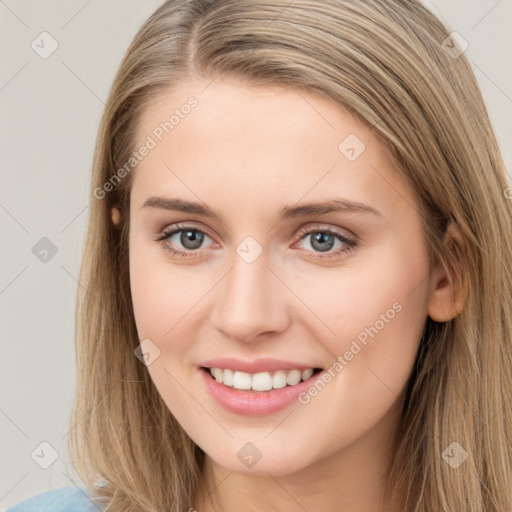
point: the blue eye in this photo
(321, 240)
(191, 238)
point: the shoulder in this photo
(65, 499)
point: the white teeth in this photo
(306, 374)
(241, 380)
(228, 377)
(293, 377)
(262, 381)
(279, 379)
(218, 374)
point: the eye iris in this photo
(191, 236)
(320, 238)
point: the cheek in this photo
(150, 294)
(371, 312)
(372, 318)
(162, 292)
(163, 297)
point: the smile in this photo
(261, 381)
(256, 395)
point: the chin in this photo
(273, 460)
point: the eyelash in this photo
(350, 243)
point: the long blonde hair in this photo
(389, 63)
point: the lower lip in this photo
(255, 404)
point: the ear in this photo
(116, 215)
(449, 286)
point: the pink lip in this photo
(254, 404)
(256, 366)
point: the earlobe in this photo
(449, 286)
(116, 216)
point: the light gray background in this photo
(49, 114)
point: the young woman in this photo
(296, 286)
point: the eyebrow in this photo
(287, 212)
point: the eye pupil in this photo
(320, 238)
(191, 236)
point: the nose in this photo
(252, 301)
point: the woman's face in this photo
(268, 284)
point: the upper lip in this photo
(256, 365)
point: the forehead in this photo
(231, 107)
(230, 138)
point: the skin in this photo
(247, 152)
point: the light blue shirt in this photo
(65, 499)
